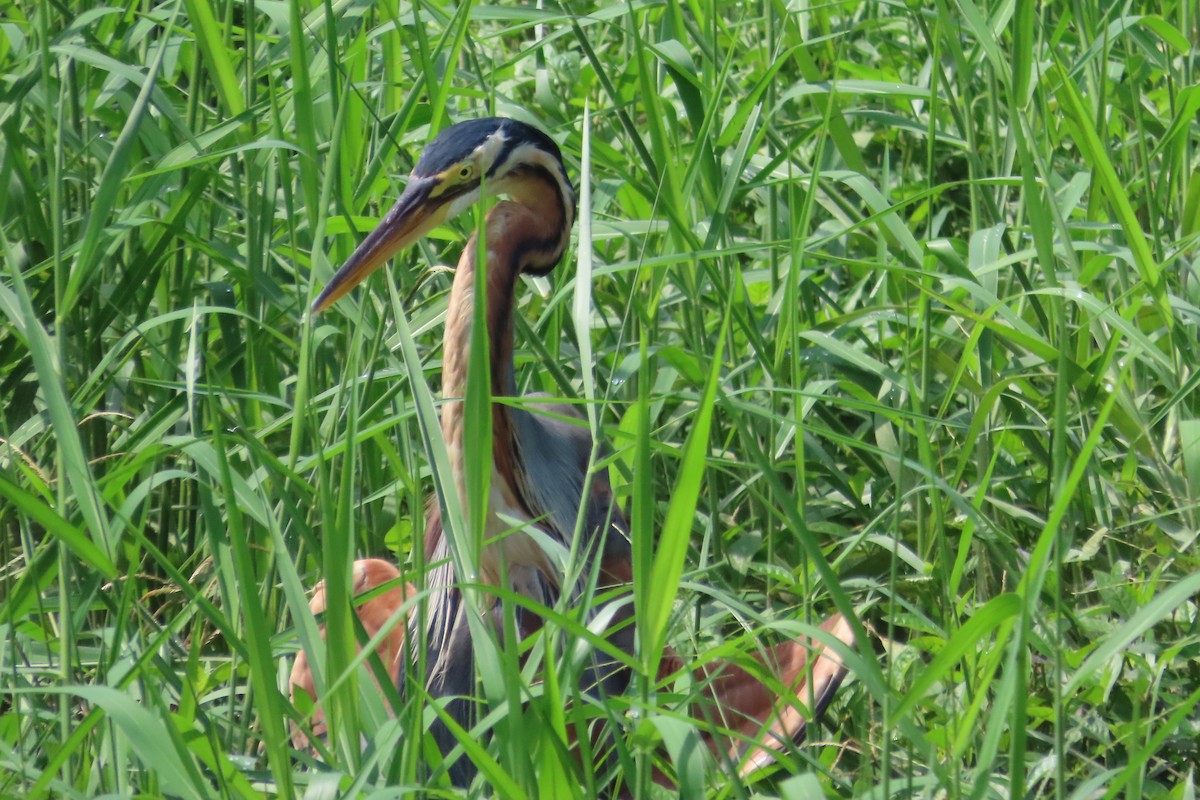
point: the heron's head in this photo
(496, 155)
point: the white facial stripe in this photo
(528, 154)
(485, 154)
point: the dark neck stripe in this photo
(551, 248)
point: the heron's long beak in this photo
(412, 217)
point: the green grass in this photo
(892, 309)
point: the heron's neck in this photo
(502, 272)
(508, 226)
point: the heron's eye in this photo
(464, 172)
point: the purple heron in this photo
(541, 463)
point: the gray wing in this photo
(556, 451)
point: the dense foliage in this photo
(889, 308)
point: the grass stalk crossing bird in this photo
(541, 464)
